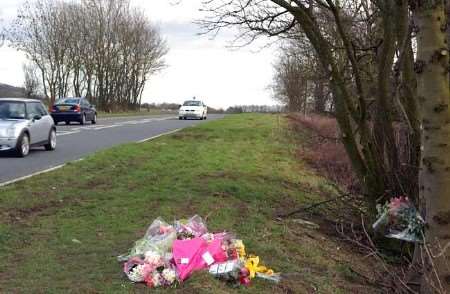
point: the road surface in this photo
(75, 142)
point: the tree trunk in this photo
(319, 96)
(433, 89)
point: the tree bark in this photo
(433, 89)
(319, 96)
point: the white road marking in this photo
(105, 127)
(157, 136)
(64, 133)
(31, 175)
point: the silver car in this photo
(25, 123)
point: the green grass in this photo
(238, 172)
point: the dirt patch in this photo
(188, 135)
(20, 215)
(284, 204)
(222, 194)
(98, 183)
(219, 175)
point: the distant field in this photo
(61, 232)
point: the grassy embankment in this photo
(61, 232)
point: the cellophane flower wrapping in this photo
(159, 238)
(168, 254)
(192, 228)
(399, 219)
(229, 271)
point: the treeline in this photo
(165, 106)
(299, 82)
(100, 49)
(255, 108)
(161, 106)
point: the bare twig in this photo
(315, 205)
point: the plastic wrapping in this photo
(230, 271)
(275, 277)
(192, 228)
(159, 237)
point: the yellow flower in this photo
(252, 264)
(240, 248)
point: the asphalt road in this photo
(75, 142)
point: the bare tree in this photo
(32, 84)
(35, 33)
(299, 81)
(101, 49)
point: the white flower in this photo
(169, 275)
(153, 258)
(136, 274)
(156, 279)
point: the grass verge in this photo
(61, 232)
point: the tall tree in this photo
(434, 90)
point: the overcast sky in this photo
(197, 65)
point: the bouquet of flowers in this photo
(154, 269)
(400, 220)
(240, 267)
(168, 254)
(162, 277)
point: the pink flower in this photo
(245, 281)
(398, 203)
(147, 270)
(165, 229)
(149, 281)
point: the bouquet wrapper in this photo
(196, 254)
(399, 219)
(159, 237)
(229, 271)
(381, 222)
(275, 277)
(193, 227)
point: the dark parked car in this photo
(73, 109)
